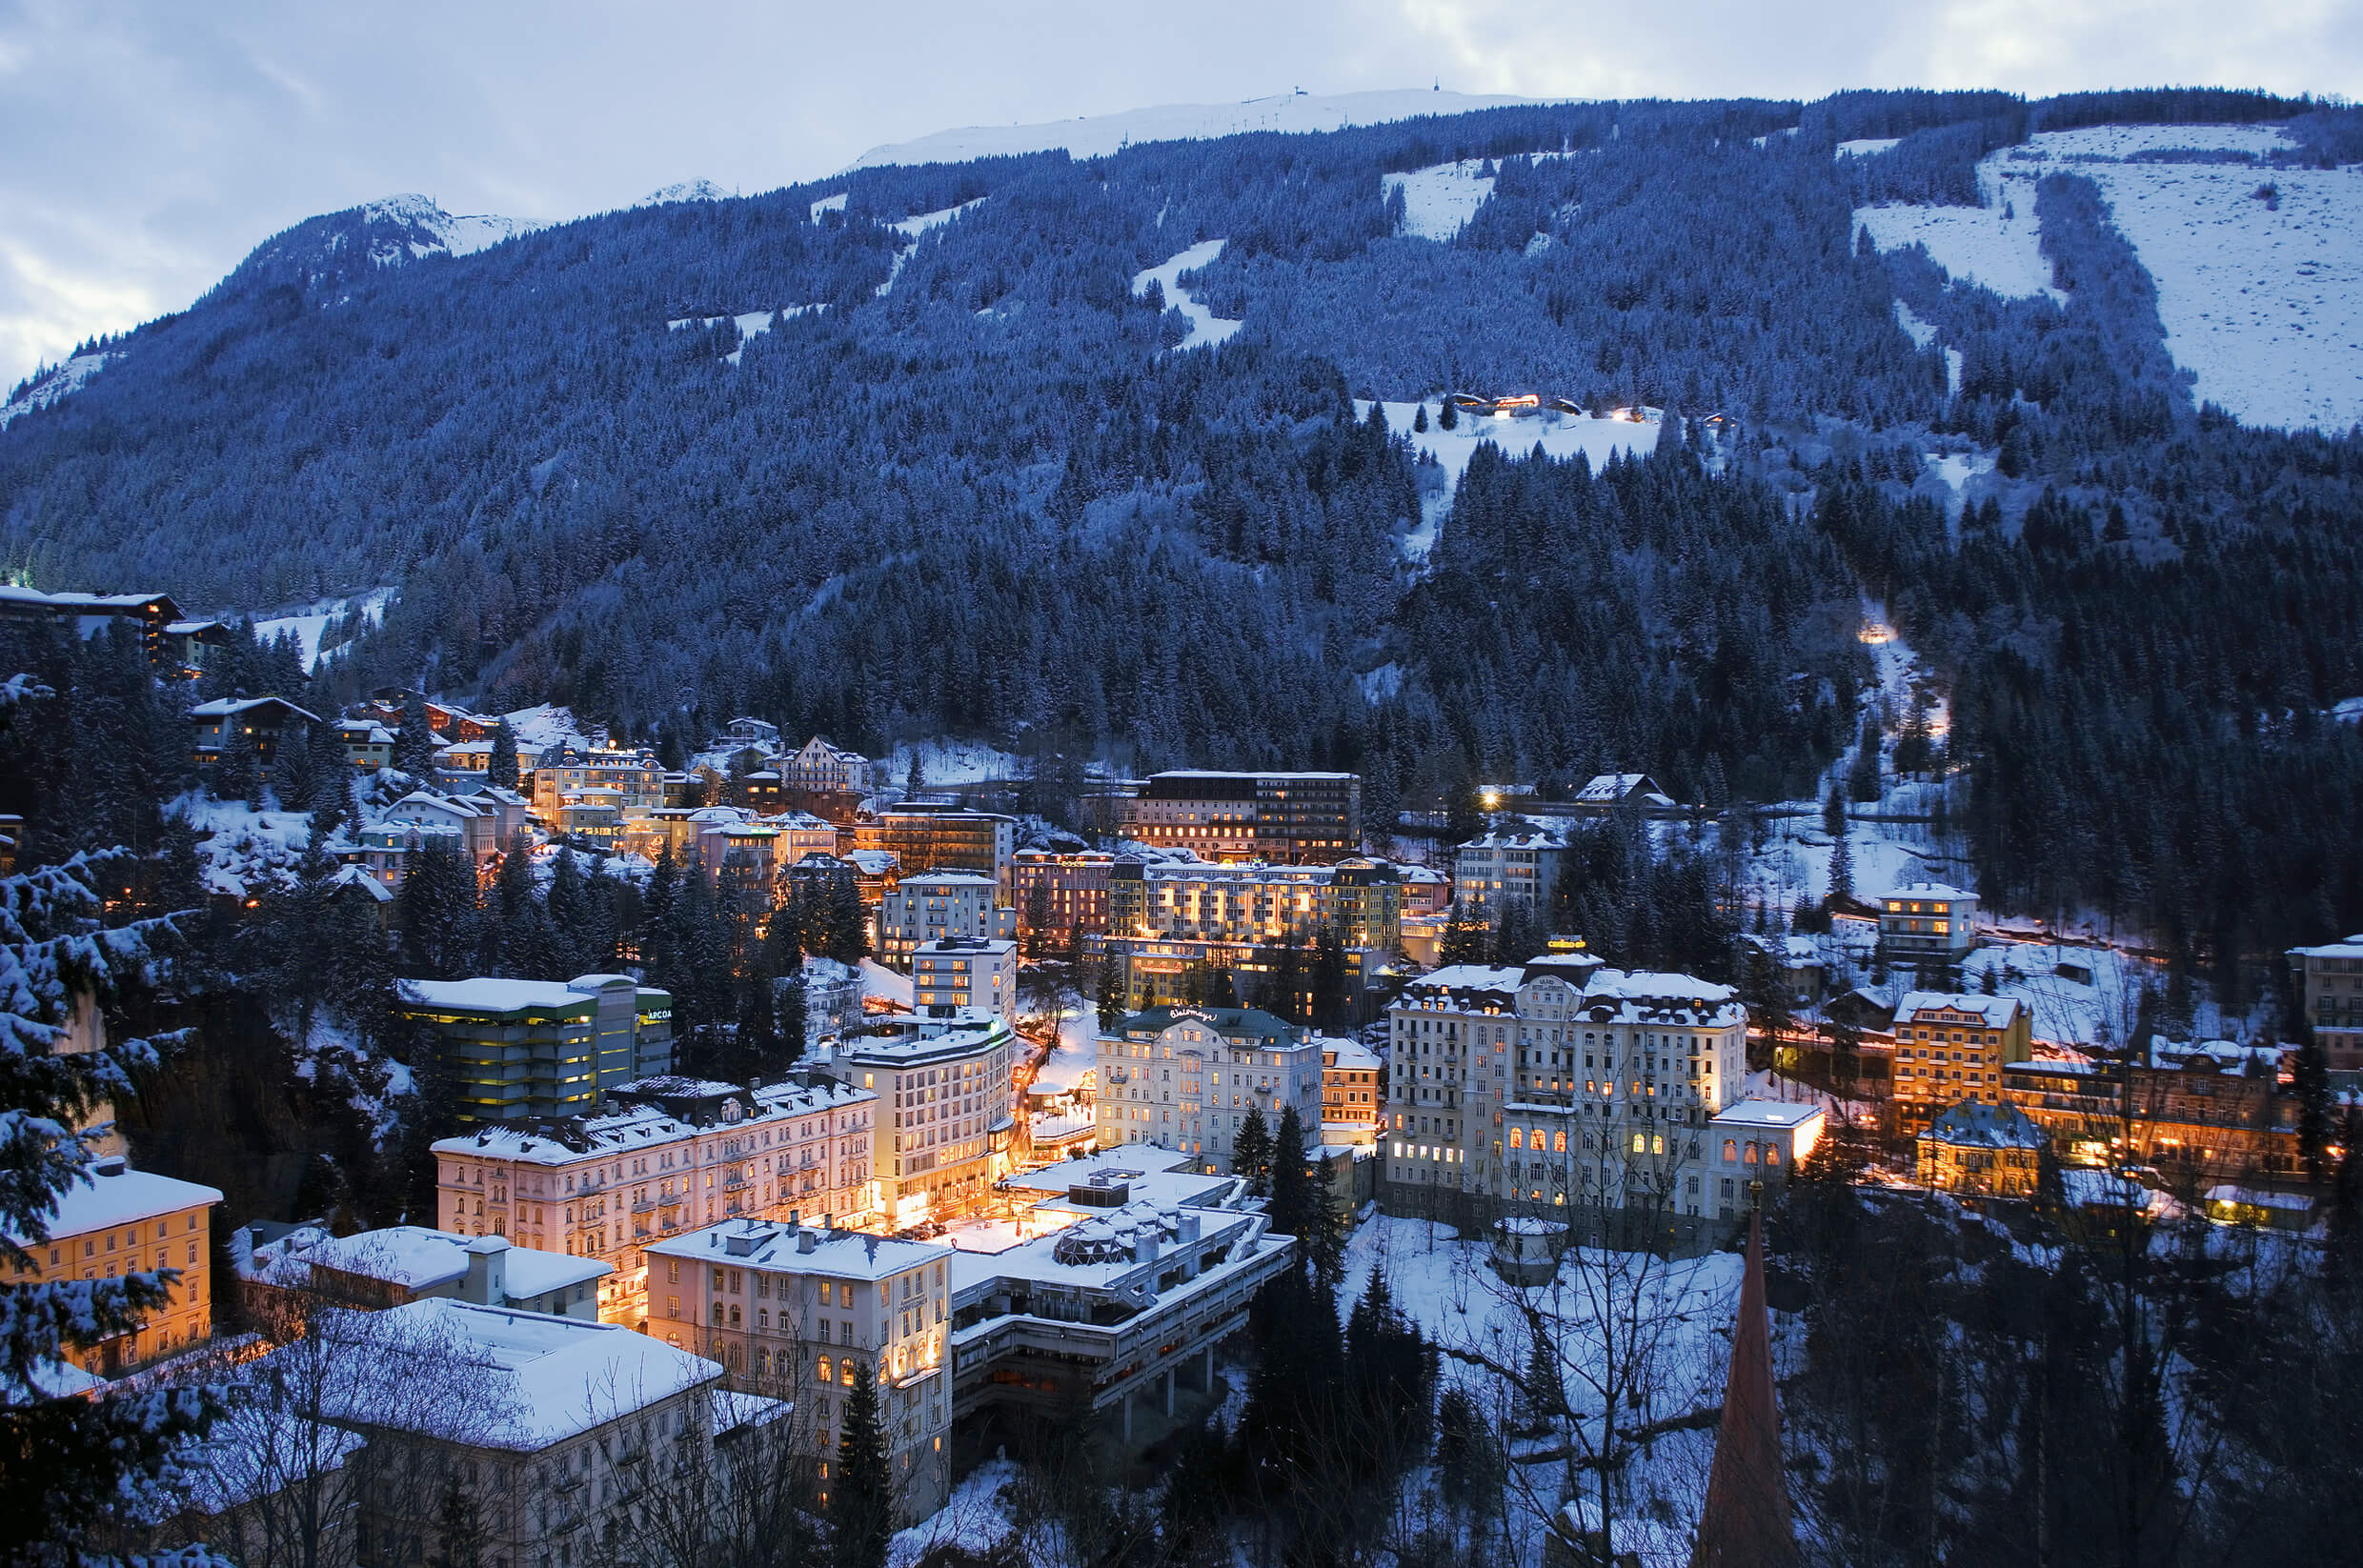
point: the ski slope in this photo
(1100, 136)
(2260, 271)
(1206, 328)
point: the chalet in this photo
(1606, 793)
(256, 721)
(1975, 1148)
(368, 745)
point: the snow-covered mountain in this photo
(53, 384)
(683, 190)
(1099, 135)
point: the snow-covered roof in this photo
(417, 1258)
(1469, 977)
(928, 879)
(358, 876)
(1607, 789)
(2350, 948)
(49, 1378)
(764, 1243)
(1767, 1112)
(224, 707)
(110, 1196)
(2258, 1198)
(1995, 1011)
(1516, 834)
(1349, 1053)
(485, 994)
(1142, 1158)
(1976, 1125)
(531, 1380)
(1930, 892)
(644, 1126)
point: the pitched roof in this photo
(1745, 1522)
(1973, 1125)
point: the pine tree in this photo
(1447, 417)
(1111, 998)
(435, 909)
(1332, 983)
(1541, 1395)
(62, 1460)
(1251, 1150)
(238, 770)
(1418, 420)
(1834, 812)
(1465, 939)
(1841, 873)
(460, 1531)
(1284, 986)
(501, 771)
(861, 1492)
(1300, 1205)
(2311, 1085)
(414, 743)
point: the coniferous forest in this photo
(969, 493)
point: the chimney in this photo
(487, 1284)
(1144, 1244)
(805, 1240)
(112, 1166)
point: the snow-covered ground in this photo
(752, 324)
(1439, 199)
(1206, 328)
(911, 228)
(456, 235)
(1099, 135)
(2260, 271)
(311, 622)
(685, 190)
(829, 204)
(943, 761)
(53, 384)
(1867, 146)
(1074, 1058)
(1995, 246)
(241, 850)
(877, 981)
(1558, 436)
(2262, 300)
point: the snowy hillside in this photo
(1206, 328)
(1560, 437)
(685, 190)
(311, 622)
(1440, 200)
(1098, 136)
(2260, 271)
(433, 231)
(50, 385)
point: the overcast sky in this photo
(148, 147)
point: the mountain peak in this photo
(685, 190)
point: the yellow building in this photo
(1952, 1048)
(1990, 1149)
(124, 1222)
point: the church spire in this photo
(1745, 1524)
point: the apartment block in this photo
(1950, 1048)
(1556, 1082)
(541, 1048)
(1185, 1078)
(564, 772)
(125, 1221)
(680, 1155)
(933, 906)
(962, 973)
(1068, 887)
(557, 1434)
(1289, 817)
(1353, 1093)
(1515, 862)
(1928, 926)
(946, 1107)
(923, 837)
(791, 1310)
(2329, 993)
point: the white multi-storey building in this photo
(1557, 1081)
(1186, 1077)
(686, 1153)
(962, 972)
(940, 904)
(946, 1107)
(1516, 862)
(792, 1310)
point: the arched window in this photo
(824, 1370)
(1771, 1154)
(1517, 1137)
(1730, 1150)
(1749, 1158)
(1559, 1142)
